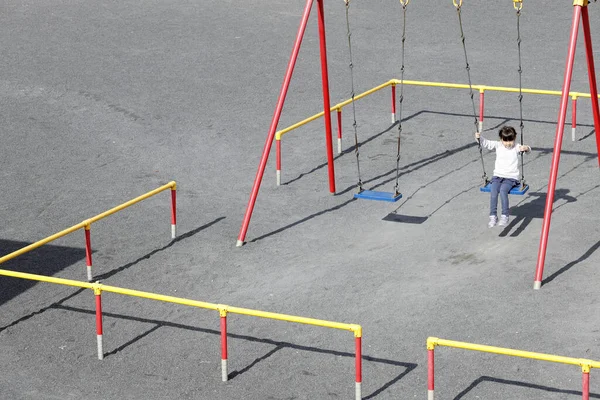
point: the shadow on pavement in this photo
(153, 252)
(408, 367)
(484, 379)
(45, 260)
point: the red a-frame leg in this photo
(580, 12)
(278, 109)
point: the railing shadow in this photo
(153, 252)
(279, 345)
(45, 260)
(409, 168)
(343, 153)
(504, 120)
(548, 389)
(35, 268)
(41, 310)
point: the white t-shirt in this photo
(507, 160)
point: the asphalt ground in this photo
(103, 101)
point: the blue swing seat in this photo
(378, 196)
(517, 190)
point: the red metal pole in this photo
(98, 295)
(393, 103)
(173, 213)
(560, 126)
(430, 374)
(326, 102)
(88, 253)
(585, 392)
(591, 74)
(358, 345)
(274, 122)
(573, 118)
(224, 374)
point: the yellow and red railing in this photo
(585, 364)
(223, 310)
(86, 226)
(393, 82)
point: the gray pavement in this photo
(103, 101)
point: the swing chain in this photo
(468, 68)
(352, 94)
(520, 70)
(396, 186)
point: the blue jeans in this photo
(500, 186)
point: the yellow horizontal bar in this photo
(179, 300)
(131, 202)
(300, 320)
(282, 132)
(49, 279)
(480, 88)
(432, 342)
(84, 223)
(159, 297)
(491, 88)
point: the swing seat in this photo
(517, 190)
(378, 196)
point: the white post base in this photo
(224, 370)
(278, 177)
(89, 273)
(394, 118)
(173, 231)
(239, 243)
(430, 395)
(100, 352)
(339, 146)
(480, 126)
(537, 285)
(572, 134)
(358, 391)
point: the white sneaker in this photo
(503, 220)
(493, 221)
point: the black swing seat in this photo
(517, 190)
(378, 196)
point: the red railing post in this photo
(560, 126)
(224, 373)
(326, 102)
(358, 345)
(98, 296)
(393, 103)
(573, 117)
(481, 105)
(278, 160)
(430, 374)
(274, 122)
(339, 130)
(173, 212)
(591, 74)
(585, 387)
(88, 252)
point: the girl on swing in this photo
(506, 170)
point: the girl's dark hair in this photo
(507, 133)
